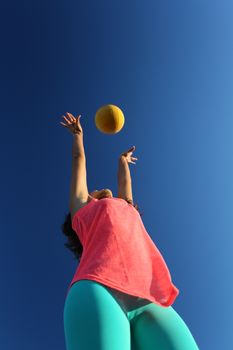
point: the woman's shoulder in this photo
(79, 204)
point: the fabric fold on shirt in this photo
(119, 252)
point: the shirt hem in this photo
(173, 294)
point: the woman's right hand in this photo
(72, 123)
(128, 155)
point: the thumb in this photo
(77, 119)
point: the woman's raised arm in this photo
(78, 186)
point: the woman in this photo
(121, 294)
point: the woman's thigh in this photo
(155, 327)
(93, 319)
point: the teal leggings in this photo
(96, 319)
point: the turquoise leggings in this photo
(96, 318)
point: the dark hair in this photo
(73, 242)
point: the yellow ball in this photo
(109, 119)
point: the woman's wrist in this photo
(78, 147)
(123, 159)
(123, 174)
(77, 134)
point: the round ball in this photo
(109, 119)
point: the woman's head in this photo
(104, 193)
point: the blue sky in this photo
(168, 66)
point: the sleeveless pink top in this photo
(119, 253)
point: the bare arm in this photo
(78, 186)
(123, 170)
(78, 147)
(124, 180)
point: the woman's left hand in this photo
(128, 155)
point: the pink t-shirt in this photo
(119, 253)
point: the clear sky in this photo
(168, 66)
